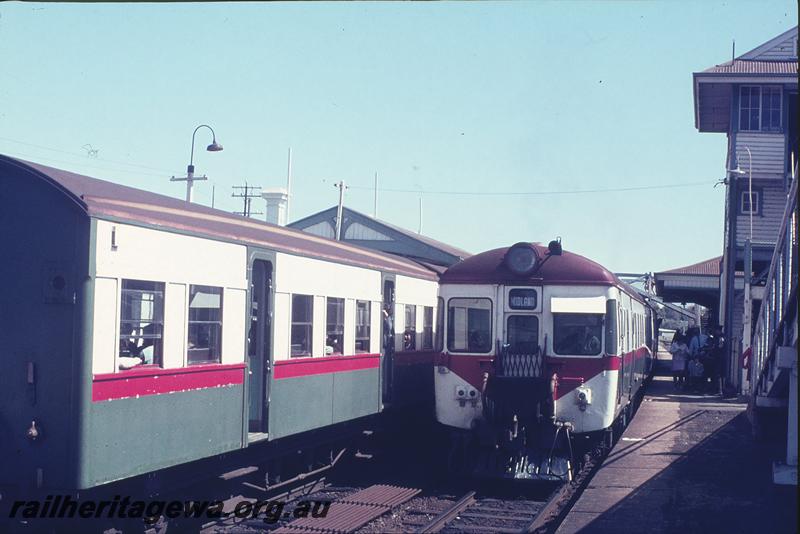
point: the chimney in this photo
(277, 201)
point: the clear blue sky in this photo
(443, 97)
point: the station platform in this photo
(686, 463)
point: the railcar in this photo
(140, 332)
(543, 347)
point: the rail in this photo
(773, 354)
(776, 325)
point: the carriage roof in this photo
(107, 200)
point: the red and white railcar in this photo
(540, 345)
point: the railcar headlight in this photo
(521, 259)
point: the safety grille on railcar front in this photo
(519, 365)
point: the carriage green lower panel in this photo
(356, 394)
(299, 404)
(128, 437)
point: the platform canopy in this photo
(698, 283)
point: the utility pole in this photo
(419, 231)
(247, 193)
(341, 185)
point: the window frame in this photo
(338, 326)
(762, 91)
(308, 324)
(600, 338)
(368, 306)
(411, 330)
(513, 316)
(427, 328)
(219, 322)
(758, 200)
(158, 344)
(448, 339)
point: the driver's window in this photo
(522, 334)
(469, 325)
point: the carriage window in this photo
(141, 324)
(362, 326)
(410, 332)
(427, 328)
(522, 335)
(334, 330)
(205, 324)
(302, 324)
(577, 334)
(469, 325)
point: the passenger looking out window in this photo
(302, 324)
(205, 324)
(469, 325)
(141, 324)
(334, 331)
(577, 334)
(410, 332)
(362, 326)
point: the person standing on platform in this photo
(680, 354)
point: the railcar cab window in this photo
(577, 334)
(302, 324)
(522, 335)
(469, 325)
(141, 324)
(205, 324)
(362, 326)
(410, 332)
(334, 327)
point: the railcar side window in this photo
(334, 330)
(410, 332)
(141, 324)
(427, 328)
(205, 324)
(302, 324)
(362, 326)
(578, 334)
(469, 325)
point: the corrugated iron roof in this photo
(107, 200)
(747, 66)
(703, 268)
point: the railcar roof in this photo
(567, 269)
(107, 200)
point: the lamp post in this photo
(190, 178)
(747, 339)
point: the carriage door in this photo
(258, 345)
(387, 339)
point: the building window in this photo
(362, 326)
(771, 109)
(745, 208)
(760, 108)
(141, 324)
(205, 324)
(410, 331)
(302, 324)
(469, 325)
(427, 328)
(334, 327)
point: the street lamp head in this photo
(738, 171)
(214, 146)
